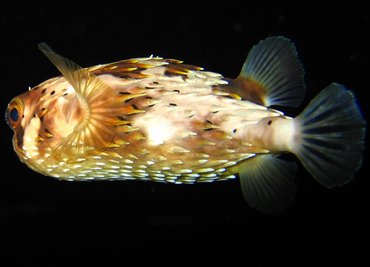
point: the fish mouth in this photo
(18, 141)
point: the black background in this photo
(43, 220)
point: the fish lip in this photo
(19, 140)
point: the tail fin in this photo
(331, 131)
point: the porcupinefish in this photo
(157, 119)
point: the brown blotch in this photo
(250, 90)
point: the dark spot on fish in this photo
(52, 92)
(234, 131)
(208, 129)
(149, 87)
(34, 115)
(134, 106)
(176, 91)
(43, 91)
(65, 94)
(150, 106)
(190, 116)
(169, 73)
(148, 97)
(127, 100)
(43, 109)
(124, 93)
(156, 83)
(216, 111)
(173, 104)
(269, 122)
(42, 118)
(209, 121)
(48, 133)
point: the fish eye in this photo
(14, 114)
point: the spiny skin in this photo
(165, 121)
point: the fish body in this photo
(160, 120)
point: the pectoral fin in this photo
(104, 107)
(268, 183)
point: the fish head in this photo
(43, 117)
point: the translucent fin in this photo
(272, 74)
(268, 183)
(103, 105)
(330, 139)
(83, 81)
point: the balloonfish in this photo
(157, 119)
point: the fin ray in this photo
(272, 74)
(330, 138)
(101, 103)
(268, 183)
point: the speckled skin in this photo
(157, 120)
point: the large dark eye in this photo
(13, 114)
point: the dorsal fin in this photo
(102, 104)
(272, 74)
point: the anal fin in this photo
(268, 183)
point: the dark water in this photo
(43, 220)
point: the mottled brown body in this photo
(184, 106)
